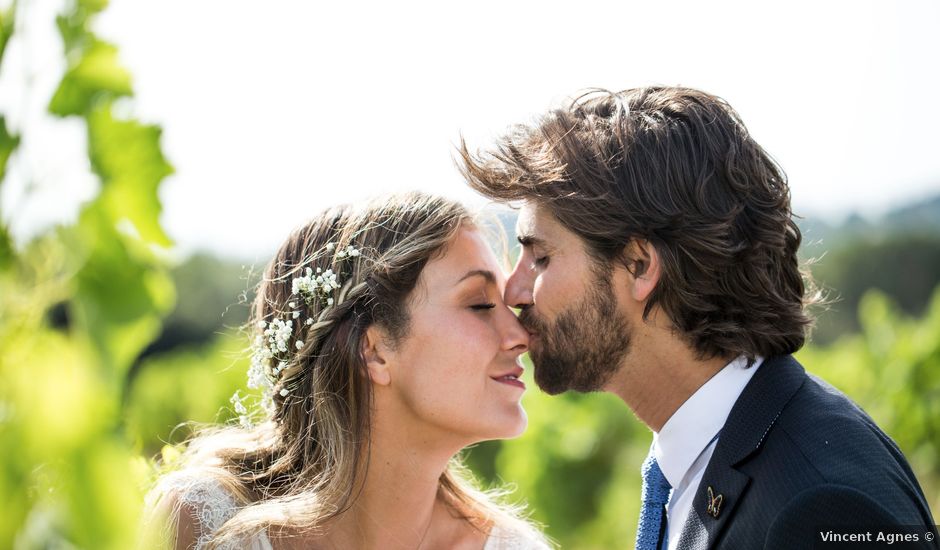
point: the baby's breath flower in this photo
(270, 349)
(314, 286)
(236, 401)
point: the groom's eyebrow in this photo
(530, 240)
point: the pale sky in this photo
(273, 110)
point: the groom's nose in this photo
(519, 286)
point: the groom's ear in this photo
(375, 353)
(644, 265)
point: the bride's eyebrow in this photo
(485, 273)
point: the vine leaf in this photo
(97, 76)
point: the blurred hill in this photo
(898, 254)
(920, 218)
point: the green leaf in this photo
(7, 18)
(122, 291)
(93, 6)
(127, 157)
(73, 24)
(73, 32)
(6, 248)
(97, 76)
(8, 143)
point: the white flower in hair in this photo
(236, 402)
(272, 346)
(321, 283)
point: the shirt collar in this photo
(696, 423)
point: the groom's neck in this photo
(659, 374)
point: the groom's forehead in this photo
(535, 223)
(527, 223)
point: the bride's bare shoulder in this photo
(501, 534)
(185, 508)
(516, 535)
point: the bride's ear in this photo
(375, 353)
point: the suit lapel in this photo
(702, 528)
(749, 422)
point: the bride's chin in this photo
(517, 427)
(509, 427)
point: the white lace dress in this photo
(212, 506)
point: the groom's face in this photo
(578, 336)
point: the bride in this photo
(382, 347)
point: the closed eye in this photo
(541, 261)
(482, 307)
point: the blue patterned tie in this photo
(655, 496)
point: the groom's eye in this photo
(540, 261)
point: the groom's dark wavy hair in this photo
(677, 167)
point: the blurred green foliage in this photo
(95, 377)
(892, 369)
(67, 469)
(175, 392)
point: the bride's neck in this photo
(398, 505)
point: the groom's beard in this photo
(583, 347)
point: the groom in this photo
(659, 263)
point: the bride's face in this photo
(456, 370)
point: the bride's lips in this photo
(511, 377)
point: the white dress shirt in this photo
(687, 440)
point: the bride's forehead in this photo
(467, 251)
(468, 246)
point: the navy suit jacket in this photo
(795, 456)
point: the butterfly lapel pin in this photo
(714, 503)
